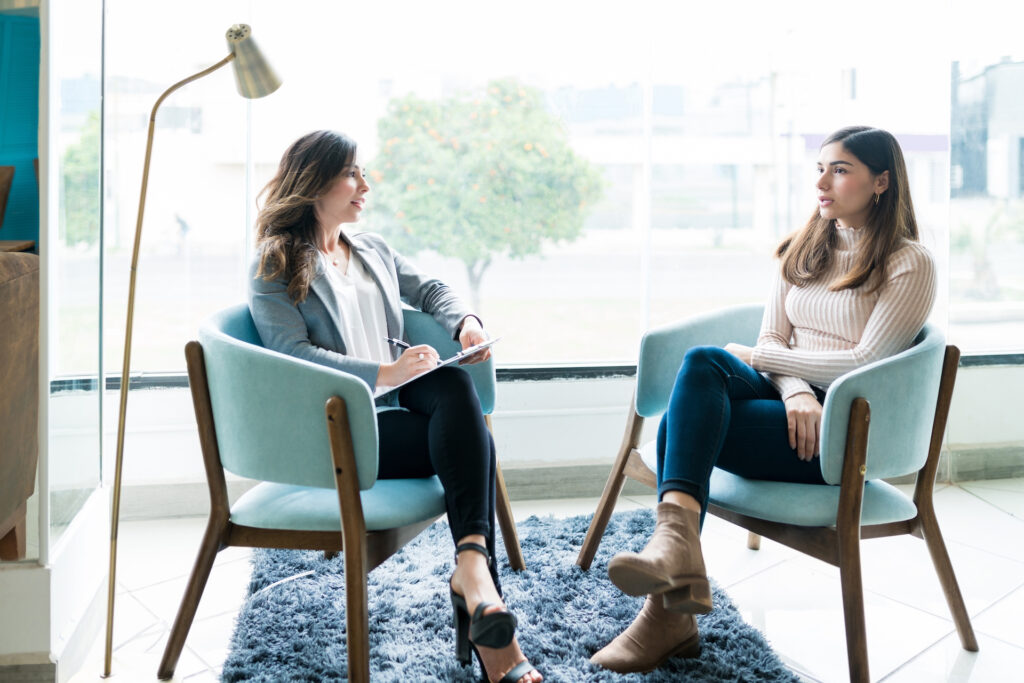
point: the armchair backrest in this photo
(662, 350)
(902, 392)
(268, 408)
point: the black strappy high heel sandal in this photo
(512, 675)
(496, 629)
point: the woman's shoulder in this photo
(913, 250)
(258, 278)
(255, 261)
(373, 241)
(911, 256)
(370, 239)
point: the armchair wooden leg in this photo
(853, 608)
(357, 618)
(353, 541)
(753, 541)
(612, 489)
(851, 498)
(507, 523)
(211, 545)
(929, 526)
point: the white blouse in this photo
(361, 310)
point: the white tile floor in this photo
(794, 600)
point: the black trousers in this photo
(442, 432)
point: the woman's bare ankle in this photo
(473, 582)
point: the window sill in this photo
(510, 373)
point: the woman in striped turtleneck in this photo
(854, 286)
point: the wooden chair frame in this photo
(6, 180)
(363, 550)
(13, 536)
(838, 545)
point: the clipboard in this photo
(460, 356)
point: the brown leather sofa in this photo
(19, 395)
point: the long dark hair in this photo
(286, 224)
(807, 253)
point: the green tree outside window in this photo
(479, 175)
(80, 219)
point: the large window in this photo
(580, 172)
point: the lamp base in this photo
(125, 668)
(137, 663)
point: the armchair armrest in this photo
(662, 350)
(902, 391)
(269, 410)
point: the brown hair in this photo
(286, 224)
(807, 253)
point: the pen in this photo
(397, 342)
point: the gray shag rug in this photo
(292, 626)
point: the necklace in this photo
(335, 260)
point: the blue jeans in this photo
(723, 413)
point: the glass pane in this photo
(987, 180)
(74, 257)
(192, 256)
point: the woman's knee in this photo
(703, 359)
(705, 355)
(452, 377)
(457, 381)
(449, 380)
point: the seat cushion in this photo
(390, 503)
(800, 504)
(805, 504)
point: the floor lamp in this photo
(254, 78)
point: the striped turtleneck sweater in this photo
(810, 335)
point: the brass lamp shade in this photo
(254, 77)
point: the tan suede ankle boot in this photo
(671, 564)
(654, 636)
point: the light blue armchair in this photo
(261, 415)
(885, 419)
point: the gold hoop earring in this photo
(876, 199)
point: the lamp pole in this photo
(254, 78)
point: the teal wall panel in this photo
(19, 123)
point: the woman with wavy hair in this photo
(332, 297)
(854, 286)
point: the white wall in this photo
(986, 407)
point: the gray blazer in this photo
(312, 329)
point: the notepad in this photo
(458, 357)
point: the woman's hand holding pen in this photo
(472, 334)
(415, 360)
